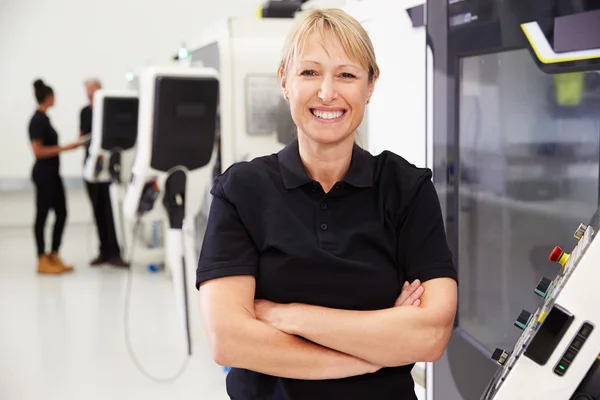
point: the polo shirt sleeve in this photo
(423, 243)
(36, 129)
(227, 249)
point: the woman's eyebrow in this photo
(337, 66)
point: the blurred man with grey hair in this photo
(99, 193)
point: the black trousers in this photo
(50, 195)
(99, 195)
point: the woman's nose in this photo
(327, 91)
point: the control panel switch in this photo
(542, 287)
(580, 231)
(523, 319)
(500, 356)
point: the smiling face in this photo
(327, 90)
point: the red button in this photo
(555, 255)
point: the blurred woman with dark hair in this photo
(46, 177)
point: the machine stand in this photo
(174, 203)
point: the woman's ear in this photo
(283, 83)
(371, 88)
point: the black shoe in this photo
(118, 262)
(101, 259)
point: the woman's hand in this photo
(410, 295)
(271, 313)
(276, 314)
(70, 146)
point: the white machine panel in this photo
(395, 119)
(155, 144)
(114, 130)
(560, 343)
(246, 53)
(173, 164)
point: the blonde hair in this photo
(353, 37)
(93, 81)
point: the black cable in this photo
(126, 324)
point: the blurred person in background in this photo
(49, 189)
(98, 193)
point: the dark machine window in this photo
(120, 123)
(529, 152)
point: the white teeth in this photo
(327, 114)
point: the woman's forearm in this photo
(256, 346)
(390, 337)
(48, 151)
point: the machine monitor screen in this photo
(120, 123)
(529, 156)
(184, 122)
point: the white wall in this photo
(397, 112)
(66, 41)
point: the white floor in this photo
(62, 337)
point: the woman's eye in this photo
(310, 72)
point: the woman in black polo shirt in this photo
(307, 253)
(50, 194)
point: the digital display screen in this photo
(185, 116)
(124, 117)
(549, 335)
(120, 122)
(190, 110)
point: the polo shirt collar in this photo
(360, 172)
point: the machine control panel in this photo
(580, 231)
(559, 256)
(543, 286)
(576, 345)
(500, 356)
(523, 319)
(559, 345)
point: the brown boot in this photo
(44, 266)
(118, 262)
(55, 260)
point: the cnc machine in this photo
(515, 131)
(112, 148)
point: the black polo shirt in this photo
(41, 129)
(351, 248)
(85, 125)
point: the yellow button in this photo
(563, 260)
(258, 12)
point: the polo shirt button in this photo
(324, 226)
(314, 188)
(323, 206)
